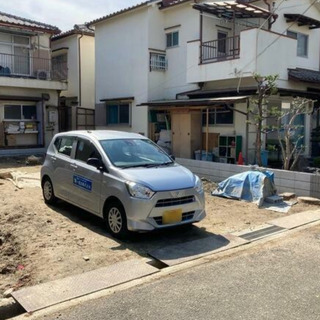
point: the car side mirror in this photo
(97, 163)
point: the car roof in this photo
(103, 134)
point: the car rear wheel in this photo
(116, 220)
(48, 192)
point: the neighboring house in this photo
(29, 85)
(189, 65)
(75, 50)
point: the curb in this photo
(9, 308)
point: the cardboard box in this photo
(11, 140)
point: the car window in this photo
(86, 150)
(134, 152)
(64, 145)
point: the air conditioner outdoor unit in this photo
(42, 74)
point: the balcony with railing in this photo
(33, 67)
(220, 49)
(253, 51)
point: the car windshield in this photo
(129, 153)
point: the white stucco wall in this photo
(122, 63)
(176, 75)
(87, 44)
(71, 43)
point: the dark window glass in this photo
(112, 114)
(124, 114)
(211, 117)
(224, 116)
(65, 146)
(218, 116)
(86, 150)
(12, 112)
(169, 40)
(57, 143)
(172, 39)
(29, 112)
(118, 114)
(175, 38)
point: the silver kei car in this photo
(122, 177)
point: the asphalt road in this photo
(277, 280)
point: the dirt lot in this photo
(40, 243)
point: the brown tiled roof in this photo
(77, 29)
(11, 20)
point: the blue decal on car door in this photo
(82, 183)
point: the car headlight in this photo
(198, 185)
(137, 190)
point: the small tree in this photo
(266, 86)
(289, 140)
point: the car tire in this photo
(116, 220)
(48, 192)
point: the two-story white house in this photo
(74, 49)
(29, 85)
(187, 67)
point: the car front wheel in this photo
(116, 220)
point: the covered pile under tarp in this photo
(252, 186)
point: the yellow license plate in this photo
(172, 216)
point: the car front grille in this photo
(185, 217)
(174, 201)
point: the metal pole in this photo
(207, 132)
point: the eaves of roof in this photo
(117, 13)
(71, 33)
(10, 20)
(173, 3)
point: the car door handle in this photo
(53, 158)
(73, 166)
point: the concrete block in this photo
(287, 183)
(302, 185)
(302, 176)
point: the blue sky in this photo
(64, 13)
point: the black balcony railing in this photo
(220, 49)
(32, 67)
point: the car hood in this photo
(161, 178)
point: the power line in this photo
(280, 35)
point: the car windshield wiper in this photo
(147, 165)
(166, 163)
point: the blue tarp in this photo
(252, 186)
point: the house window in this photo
(158, 62)
(20, 112)
(302, 43)
(60, 67)
(118, 114)
(172, 39)
(220, 115)
(14, 56)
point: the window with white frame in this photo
(20, 112)
(158, 62)
(14, 54)
(302, 43)
(172, 39)
(118, 114)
